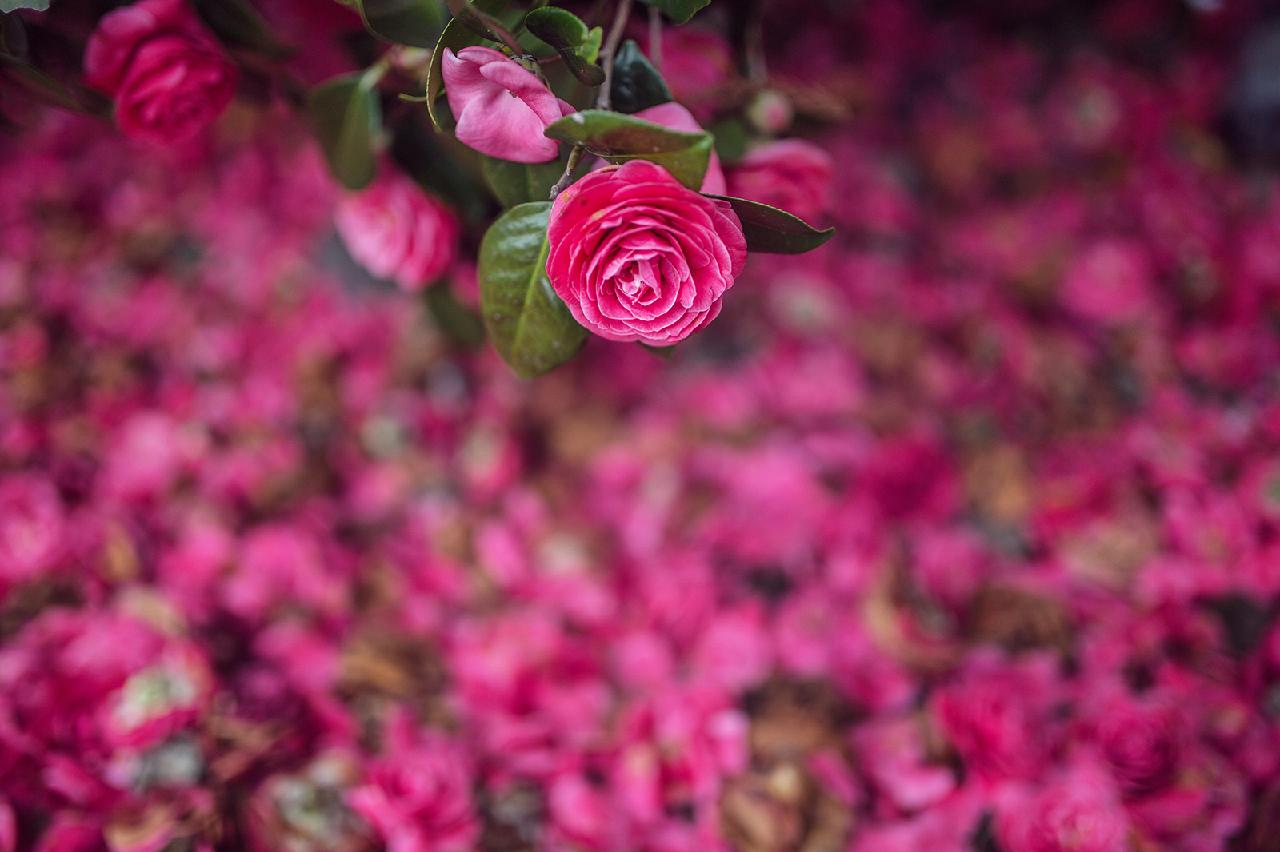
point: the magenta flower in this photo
(418, 795)
(791, 174)
(396, 230)
(31, 528)
(636, 256)
(501, 107)
(169, 77)
(1080, 812)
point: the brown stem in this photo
(575, 155)
(484, 24)
(655, 38)
(753, 47)
(621, 13)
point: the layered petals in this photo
(169, 77)
(636, 256)
(501, 108)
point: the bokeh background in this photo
(959, 533)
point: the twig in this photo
(575, 155)
(620, 16)
(753, 47)
(484, 24)
(655, 38)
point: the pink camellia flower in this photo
(84, 692)
(999, 717)
(637, 256)
(169, 77)
(31, 527)
(674, 116)
(501, 107)
(696, 63)
(1142, 742)
(418, 795)
(790, 174)
(1109, 281)
(397, 231)
(894, 753)
(1079, 813)
(281, 565)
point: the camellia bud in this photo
(770, 112)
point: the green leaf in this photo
(518, 183)
(13, 5)
(666, 353)
(619, 138)
(679, 11)
(346, 117)
(773, 231)
(418, 150)
(237, 23)
(54, 91)
(459, 323)
(731, 139)
(417, 23)
(457, 34)
(636, 83)
(531, 328)
(566, 32)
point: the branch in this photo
(484, 24)
(655, 38)
(575, 155)
(620, 16)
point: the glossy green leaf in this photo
(619, 138)
(518, 183)
(238, 23)
(13, 5)
(636, 83)
(566, 32)
(679, 11)
(417, 23)
(773, 231)
(531, 328)
(346, 117)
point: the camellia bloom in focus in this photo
(789, 174)
(636, 256)
(170, 79)
(501, 107)
(397, 231)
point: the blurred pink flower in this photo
(396, 230)
(169, 77)
(790, 174)
(31, 527)
(417, 795)
(1078, 812)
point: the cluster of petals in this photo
(963, 530)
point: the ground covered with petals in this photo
(962, 532)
